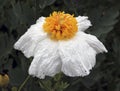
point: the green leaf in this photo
(46, 84)
(6, 45)
(34, 87)
(23, 12)
(17, 76)
(71, 4)
(2, 3)
(44, 3)
(58, 77)
(116, 45)
(103, 20)
(118, 87)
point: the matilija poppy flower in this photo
(58, 44)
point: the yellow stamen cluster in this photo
(60, 26)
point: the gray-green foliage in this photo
(16, 16)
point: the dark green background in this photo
(16, 16)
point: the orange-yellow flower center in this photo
(60, 26)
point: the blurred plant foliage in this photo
(16, 16)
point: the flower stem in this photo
(21, 86)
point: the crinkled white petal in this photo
(29, 40)
(94, 43)
(83, 23)
(74, 57)
(46, 61)
(78, 57)
(41, 19)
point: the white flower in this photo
(72, 52)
